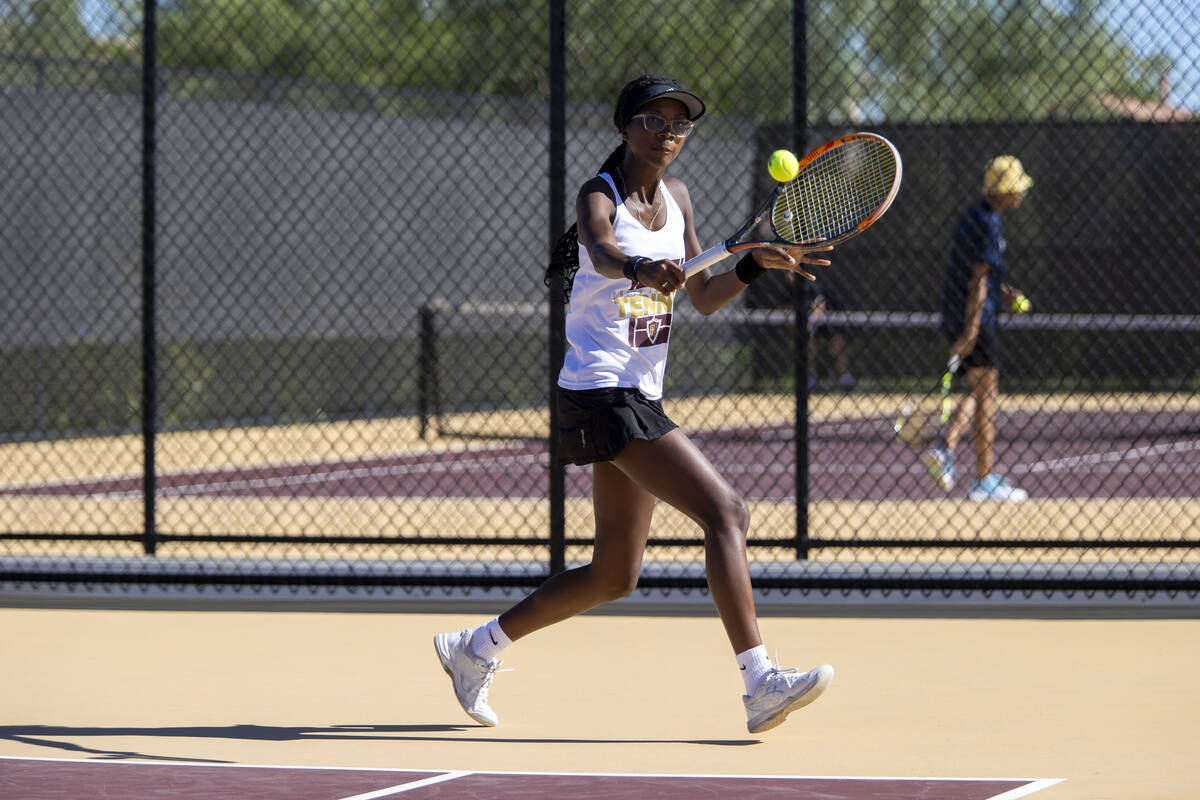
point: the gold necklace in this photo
(659, 203)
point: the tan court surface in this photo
(1111, 705)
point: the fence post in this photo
(149, 288)
(557, 324)
(799, 293)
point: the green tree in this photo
(43, 28)
(940, 60)
(867, 60)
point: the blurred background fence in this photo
(274, 311)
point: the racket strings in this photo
(836, 192)
(921, 420)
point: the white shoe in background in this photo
(994, 487)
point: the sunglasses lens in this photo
(656, 124)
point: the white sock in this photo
(754, 664)
(489, 639)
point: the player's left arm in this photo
(709, 292)
(1008, 294)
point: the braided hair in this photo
(564, 257)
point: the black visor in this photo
(695, 106)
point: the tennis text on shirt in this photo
(650, 312)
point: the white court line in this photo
(1112, 456)
(825, 468)
(428, 468)
(437, 454)
(404, 787)
(1021, 791)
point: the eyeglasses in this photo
(653, 123)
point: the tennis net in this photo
(484, 366)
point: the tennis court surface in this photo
(257, 705)
(36, 779)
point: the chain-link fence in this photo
(275, 312)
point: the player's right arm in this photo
(595, 211)
(973, 313)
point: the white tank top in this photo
(617, 329)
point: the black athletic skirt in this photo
(597, 424)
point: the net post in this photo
(799, 294)
(556, 328)
(427, 389)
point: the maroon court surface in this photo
(50, 779)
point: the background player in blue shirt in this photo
(972, 298)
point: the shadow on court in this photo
(59, 737)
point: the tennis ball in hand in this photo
(1021, 304)
(783, 165)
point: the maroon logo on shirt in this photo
(649, 331)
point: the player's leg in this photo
(939, 459)
(983, 379)
(974, 362)
(976, 410)
(677, 472)
(963, 414)
(674, 470)
(812, 362)
(841, 360)
(623, 511)
(990, 485)
(983, 383)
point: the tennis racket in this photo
(841, 189)
(922, 421)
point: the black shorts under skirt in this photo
(597, 424)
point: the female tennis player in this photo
(635, 227)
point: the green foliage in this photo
(959, 60)
(43, 28)
(866, 60)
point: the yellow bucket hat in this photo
(1005, 175)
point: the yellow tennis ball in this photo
(783, 165)
(1021, 304)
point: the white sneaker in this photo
(471, 675)
(781, 692)
(940, 463)
(994, 487)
